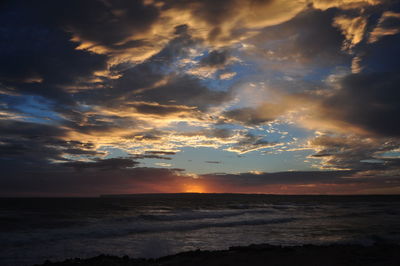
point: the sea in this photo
(33, 230)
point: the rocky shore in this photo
(307, 255)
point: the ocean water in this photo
(37, 229)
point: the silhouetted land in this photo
(308, 255)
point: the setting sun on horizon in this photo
(194, 189)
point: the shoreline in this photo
(260, 254)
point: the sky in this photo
(229, 96)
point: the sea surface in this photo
(33, 230)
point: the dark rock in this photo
(307, 255)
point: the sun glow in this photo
(194, 188)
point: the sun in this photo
(194, 188)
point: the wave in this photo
(187, 216)
(123, 229)
(196, 226)
(363, 214)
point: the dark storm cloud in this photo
(249, 116)
(38, 58)
(156, 109)
(250, 142)
(309, 38)
(378, 56)
(151, 156)
(187, 90)
(295, 182)
(92, 182)
(390, 23)
(221, 133)
(31, 149)
(264, 113)
(132, 79)
(369, 101)
(30, 52)
(107, 23)
(209, 11)
(149, 135)
(156, 155)
(353, 152)
(176, 47)
(161, 152)
(288, 178)
(29, 130)
(25, 145)
(92, 123)
(25, 152)
(103, 164)
(215, 58)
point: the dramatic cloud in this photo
(389, 24)
(250, 143)
(131, 96)
(215, 59)
(253, 116)
(368, 101)
(42, 61)
(103, 165)
(309, 38)
(352, 152)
